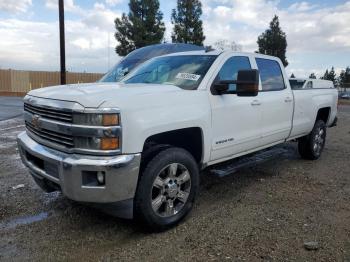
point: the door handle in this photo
(255, 103)
(288, 99)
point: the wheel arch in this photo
(323, 114)
(189, 138)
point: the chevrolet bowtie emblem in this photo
(35, 121)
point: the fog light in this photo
(101, 178)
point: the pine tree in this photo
(332, 75)
(123, 35)
(273, 41)
(141, 27)
(292, 76)
(325, 76)
(312, 76)
(188, 27)
(344, 78)
(347, 78)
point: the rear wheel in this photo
(311, 146)
(167, 189)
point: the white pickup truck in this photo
(309, 83)
(135, 148)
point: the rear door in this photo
(276, 102)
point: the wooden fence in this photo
(18, 83)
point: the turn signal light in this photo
(109, 143)
(110, 120)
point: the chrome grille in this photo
(54, 114)
(50, 122)
(51, 136)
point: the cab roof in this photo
(220, 52)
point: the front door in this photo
(235, 120)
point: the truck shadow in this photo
(235, 187)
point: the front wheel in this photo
(311, 146)
(167, 189)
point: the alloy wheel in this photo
(171, 189)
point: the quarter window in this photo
(296, 84)
(309, 84)
(270, 74)
(230, 69)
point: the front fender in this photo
(181, 110)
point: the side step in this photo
(232, 166)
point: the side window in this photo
(230, 69)
(309, 84)
(270, 74)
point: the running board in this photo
(232, 166)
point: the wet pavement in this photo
(13, 223)
(260, 213)
(10, 107)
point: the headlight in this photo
(105, 140)
(97, 143)
(94, 119)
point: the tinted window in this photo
(231, 67)
(184, 71)
(270, 74)
(296, 84)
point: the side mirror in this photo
(247, 83)
(220, 87)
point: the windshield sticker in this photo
(188, 76)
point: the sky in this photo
(318, 32)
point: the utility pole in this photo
(62, 42)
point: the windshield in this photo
(143, 54)
(120, 70)
(185, 71)
(296, 84)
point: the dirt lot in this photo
(263, 213)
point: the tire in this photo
(167, 189)
(311, 146)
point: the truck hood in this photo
(96, 94)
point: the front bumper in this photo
(67, 172)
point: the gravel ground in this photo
(276, 211)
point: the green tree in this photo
(330, 75)
(188, 27)
(141, 27)
(274, 41)
(312, 76)
(325, 75)
(344, 78)
(292, 75)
